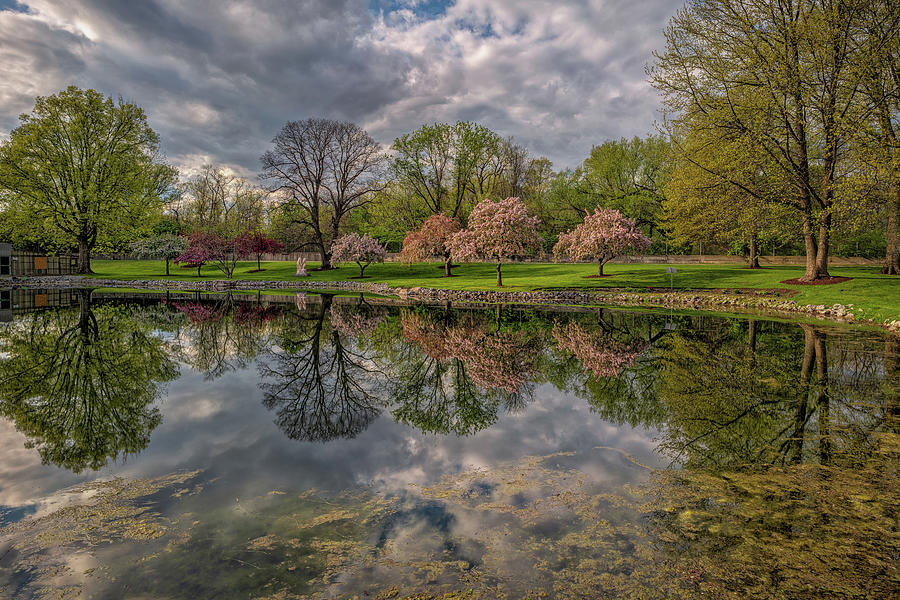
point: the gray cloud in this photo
(219, 78)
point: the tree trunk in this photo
(499, 276)
(200, 266)
(754, 253)
(600, 270)
(447, 267)
(84, 257)
(892, 251)
(258, 266)
(362, 267)
(167, 266)
(816, 256)
(822, 254)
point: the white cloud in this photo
(218, 79)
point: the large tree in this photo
(784, 76)
(323, 169)
(85, 164)
(628, 175)
(450, 166)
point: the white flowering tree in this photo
(165, 246)
(361, 249)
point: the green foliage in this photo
(81, 384)
(88, 166)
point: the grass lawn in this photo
(872, 295)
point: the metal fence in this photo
(30, 264)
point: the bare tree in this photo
(323, 169)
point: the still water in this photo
(310, 446)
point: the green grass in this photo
(872, 295)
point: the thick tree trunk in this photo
(447, 267)
(816, 256)
(822, 254)
(84, 257)
(499, 276)
(754, 253)
(600, 269)
(892, 251)
(362, 267)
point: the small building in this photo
(22, 263)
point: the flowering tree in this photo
(258, 243)
(209, 247)
(497, 231)
(201, 250)
(598, 352)
(431, 239)
(603, 236)
(361, 249)
(165, 246)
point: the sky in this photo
(218, 78)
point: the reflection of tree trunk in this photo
(751, 336)
(823, 400)
(892, 378)
(809, 354)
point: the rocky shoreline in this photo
(760, 301)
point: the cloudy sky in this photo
(218, 78)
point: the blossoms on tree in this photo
(208, 247)
(165, 246)
(361, 249)
(602, 236)
(431, 239)
(257, 244)
(497, 231)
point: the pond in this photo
(312, 446)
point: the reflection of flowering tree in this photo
(357, 320)
(598, 351)
(500, 360)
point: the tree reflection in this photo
(456, 371)
(222, 333)
(81, 384)
(607, 359)
(320, 386)
(783, 399)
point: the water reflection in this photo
(319, 385)
(782, 439)
(81, 384)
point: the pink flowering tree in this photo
(599, 353)
(201, 249)
(602, 236)
(361, 249)
(257, 244)
(497, 231)
(431, 239)
(210, 248)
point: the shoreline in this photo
(739, 303)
